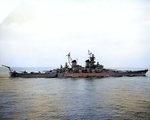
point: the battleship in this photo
(73, 70)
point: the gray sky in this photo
(40, 33)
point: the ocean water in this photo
(74, 98)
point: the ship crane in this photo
(7, 67)
(69, 59)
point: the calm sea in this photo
(69, 99)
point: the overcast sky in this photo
(40, 33)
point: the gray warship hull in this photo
(104, 74)
(34, 75)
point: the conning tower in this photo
(87, 62)
(91, 61)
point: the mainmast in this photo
(89, 53)
(91, 59)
